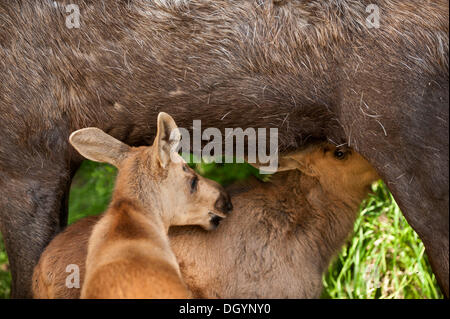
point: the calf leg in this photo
(32, 210)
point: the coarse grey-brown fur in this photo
(311, 68)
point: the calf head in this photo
(340, 170)
(157, 177)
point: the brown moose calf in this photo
(128, 254)
(277, 242)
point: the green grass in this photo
(91, 190)
(383, 259)
(5, 276)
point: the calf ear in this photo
(287, 164)
(167, 138)
(284, 164)
(96, 145)
(300, 161)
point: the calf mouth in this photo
(215, 219)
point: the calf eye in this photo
(339, 154)
(194, 183)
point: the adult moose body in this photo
(313, 69)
